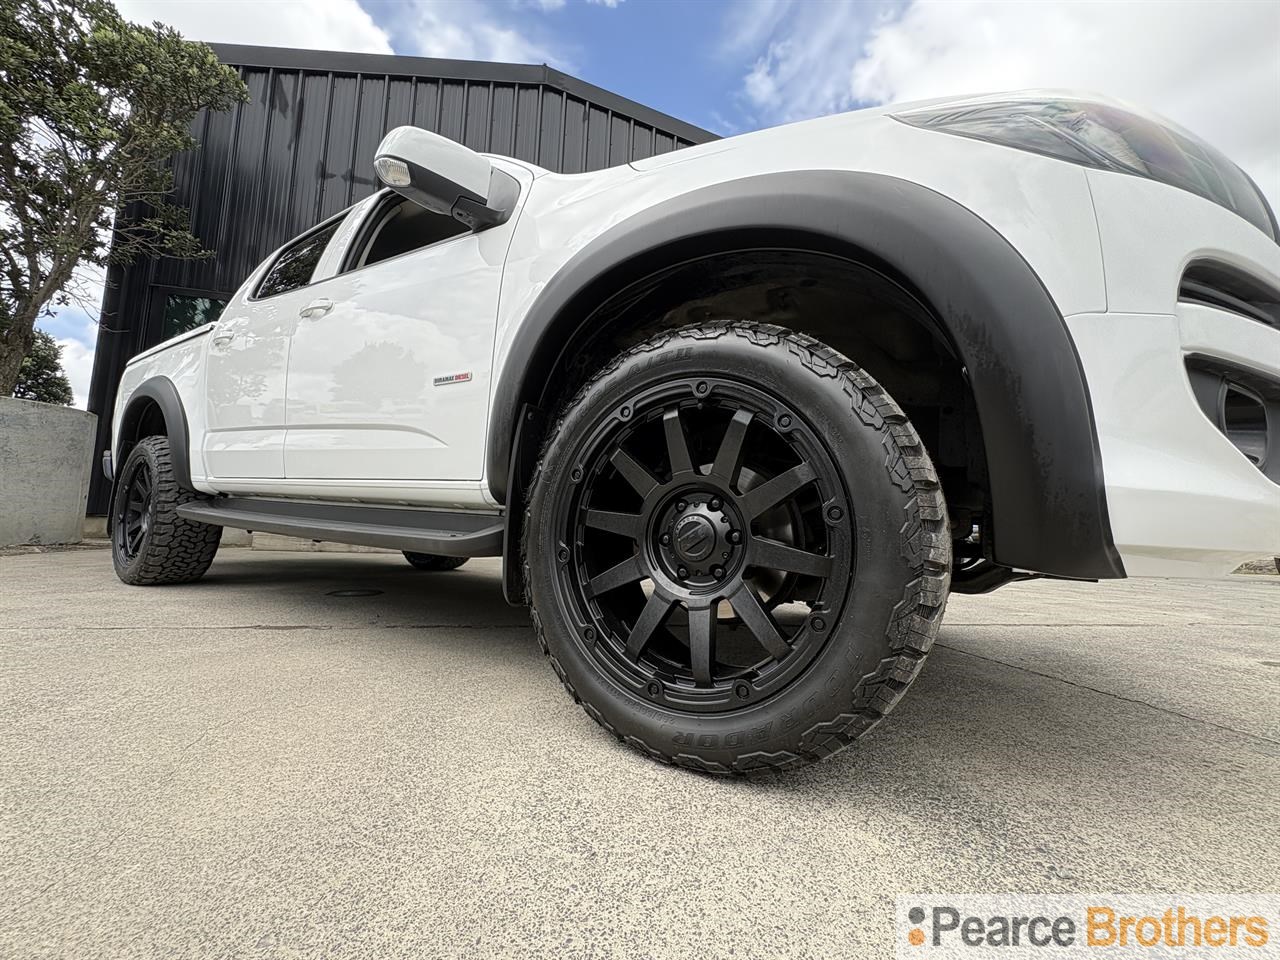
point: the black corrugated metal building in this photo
(301, 149)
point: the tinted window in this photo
(293, 268)
(401, 227)
(186, 313)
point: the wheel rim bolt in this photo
(682, 572)
(665, 539)
(742, 691)
(589, 635)
(715, 503)
(682, 506)
(818, 624)
(784, 421)
(735, 536)
(654, 688)
(835, 513)
(718, 572)
(563, 554)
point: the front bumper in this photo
(1183, 500)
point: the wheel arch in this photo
(1049, 510)
(155, 408)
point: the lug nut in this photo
(682, 572)
(654, 688)
(576, 475)
(742, 691)
(589, 635)
(818, 624)
(784, 421)
(682, 506)
(717, 572)
(665, 539)
(563, 554)
(701, 387)
(834, 514)
(735, 536)
(715, 503)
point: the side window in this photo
(294, 266)
(399, 227)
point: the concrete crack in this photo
(1115, 696)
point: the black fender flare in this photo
(164, 394)
(1049, 510)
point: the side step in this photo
(449, 533)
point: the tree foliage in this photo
(41, 376)
(92, 108)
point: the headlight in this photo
(1105, 137)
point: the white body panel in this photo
(1183, 501)
(364, 402)
(342, 405)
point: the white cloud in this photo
(605, 3)
(308, 24)
(1208, 65)
(434, 29)
(77, 362)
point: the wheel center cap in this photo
(694, 538)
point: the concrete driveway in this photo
(259, 766)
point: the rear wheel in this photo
(432, 561)
(736, 549)
(150, 543)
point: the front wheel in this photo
(736, 549)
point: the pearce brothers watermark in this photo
(1104, 925)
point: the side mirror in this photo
(445, 177)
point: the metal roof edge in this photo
(335, 61)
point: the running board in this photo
(449, 533)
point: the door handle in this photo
(316, 308)
(222, 339)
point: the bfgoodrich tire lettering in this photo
(150, 543)
(855, 594)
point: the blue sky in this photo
(737, 65)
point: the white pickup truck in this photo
(737, 418)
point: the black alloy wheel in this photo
(134, 523)
(735, 549)
(678, 552)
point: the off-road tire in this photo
(900, 546)
(433, 561)
(172, 549)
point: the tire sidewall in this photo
(856, 643)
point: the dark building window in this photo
(186, 313)
(293, 268)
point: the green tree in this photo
(92, 108)
(41, 376)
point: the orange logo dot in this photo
(916, 937)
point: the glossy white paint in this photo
(341, 405)
(363, 401)
(181, 359)
(1041, 206)
(1183, 501)
(1151, 231)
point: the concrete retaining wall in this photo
(46, 453)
